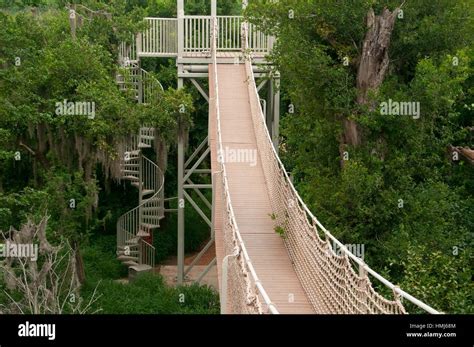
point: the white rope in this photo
(328, 279)
(302, 233)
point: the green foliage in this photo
(280, 231)
(100, 260)
(59, 154)
(15, 208)
(398, 193)
(70, 204)
(444, 279)
(197, 233)
(51, 71)
(148, 294)
(72, 221)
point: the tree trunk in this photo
(81, 274)
(42, 145)
(374, 60)
(372, 68)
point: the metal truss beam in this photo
(199, 88)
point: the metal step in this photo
(133, 241)
(141, 267)
(149, 226)
(154, 200)
(130, 263)
(152, 215)
(122, 248)
(150, 209)
(131, 178)
(147, 137)
(130, 160)
(123, 258)
(143, 233)
(155, 221)
(129, 253)
(130, 171)
(147, 191)
(144, 145)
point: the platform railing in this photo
(160, 38)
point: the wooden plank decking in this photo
(249, 195)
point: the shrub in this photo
(148, 294)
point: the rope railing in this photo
(329, 279)
(247, 292)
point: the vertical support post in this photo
(225, 282)
(213, 8)
(140, 176)
(72, 22)
(362, 274)
(213, 21)
(244, 24)
(181, 203)
(270, 102)
(140, 193)
(180, 28)
(276, 115)
(138, 46)
(213, 204)
(361, 270)
(140, 82)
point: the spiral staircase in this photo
(135, 228)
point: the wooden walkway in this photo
(249, 194)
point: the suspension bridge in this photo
(259, 270)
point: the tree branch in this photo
(27, 148)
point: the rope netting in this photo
(242, 292)
(329, 279)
